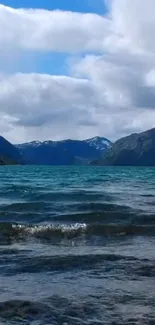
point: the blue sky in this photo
(96, 6)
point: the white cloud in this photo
(34, 99)
(129, 25)
(110, 94)
(134, 22)
(121, 80)
(43, 30)
(43, 106)
(55, 103)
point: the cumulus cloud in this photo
(56, 107)
(43, 30)
(55, 103)
(36, 99)
(110, 92)
(134, 22)
(129, 25)
(122, 81)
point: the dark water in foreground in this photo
(77, 246)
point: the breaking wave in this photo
(70, 231)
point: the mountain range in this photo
(137, 149)
(65, 152)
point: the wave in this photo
(51, 232)
(89, 310)
(20, 310)
(64, 263)
(79, 212)
(53, 310)
(71, 195)
(39, 193)
(100, 213)
(40, 206)
(102, 264)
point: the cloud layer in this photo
(109, 92)
(44, 30)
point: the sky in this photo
(76, 68)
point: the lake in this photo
(77, 245)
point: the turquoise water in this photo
(77, 245)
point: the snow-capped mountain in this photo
(29, 144)
(65, 152)
(100, 143)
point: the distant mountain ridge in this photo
(65, 152)
(137, 149)
(100, 143)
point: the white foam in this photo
(50, 227)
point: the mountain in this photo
(138, 149)
(5, 161)
(9, 154)
(66, 152)
(99, 143)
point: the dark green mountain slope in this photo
(138, 149)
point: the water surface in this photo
(77, 245)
